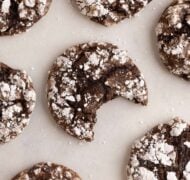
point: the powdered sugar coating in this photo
(162, 154)
(17, 101)
(47, 171)
(17, 16)
(86, 76)
(173, 33)
(108, 12)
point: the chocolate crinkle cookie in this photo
(17, 101)
(108, 12)
(173, 34)
(47, 171)
(86, 76)
(17, 16)
(162, 154)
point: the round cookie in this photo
(17, 101)
(108, 12)
(47, 171)
(162, 154)
(86, 76)
(173, 35)
(17, 16)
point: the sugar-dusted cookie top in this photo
(47, 171)
(108, 12)
(17, 101)
(17, 16)
(84, 77)
(162, 154)
(173, 35)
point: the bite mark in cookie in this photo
(162, 154)
(17, 101)
(86, 76)
(173, 34)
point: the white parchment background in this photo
(120, 122)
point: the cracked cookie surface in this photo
(173, 35)
(17, 101)
(162, 154)
(17, 16)
(47, 171)
(86, 76)
(108, 12)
